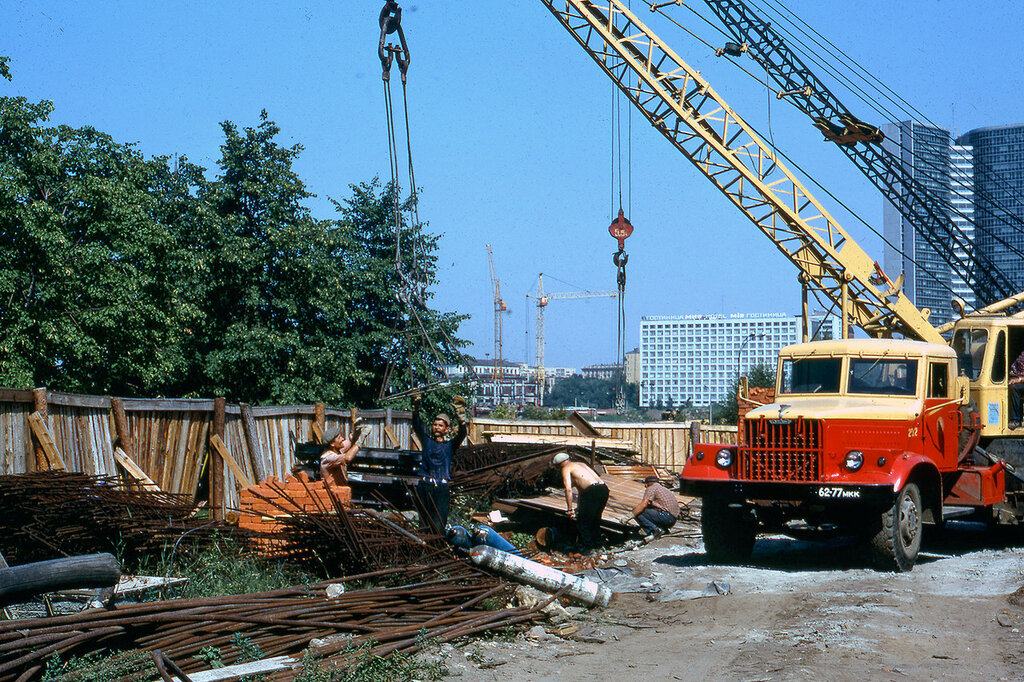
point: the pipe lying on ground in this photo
(540, 576)
(19, 583)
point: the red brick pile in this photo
(262, 506)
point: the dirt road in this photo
(796, 611)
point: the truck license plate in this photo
(832, 492)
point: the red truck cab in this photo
(864, 437)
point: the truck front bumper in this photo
(874, 495)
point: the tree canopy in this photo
(141, 277)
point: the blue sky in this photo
(510, 130)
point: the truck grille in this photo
(780, 450)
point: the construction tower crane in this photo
(683, 106)
(861, 142)
(499, 309)
(542, 303)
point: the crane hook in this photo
(391, 22)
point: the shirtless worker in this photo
(591, 498)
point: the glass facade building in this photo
(698, 357)
(925, 152)
(999, 195)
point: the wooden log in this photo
(52, 461)
(134, 470)
(39, 405)
(252, 441)
(694, 435)
(222, 450)
(20, 583)
(121, 424)
(319, 421)
(216, 464)
(318, 433)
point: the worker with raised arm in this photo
(433, 491)
(658, 509)
(592, 496)
(339, 451)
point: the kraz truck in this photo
(869, 437)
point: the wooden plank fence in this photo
(665, 444)
(169, 439)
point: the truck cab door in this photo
(942, 413)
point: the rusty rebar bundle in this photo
(441, 600)
(48, 515)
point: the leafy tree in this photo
(576, 390)
(266, 277)
(90, 296)
(389, 310)
(5, 71)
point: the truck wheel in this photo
(897, 543)
(729, 532)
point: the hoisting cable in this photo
(412, 284)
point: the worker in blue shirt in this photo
(433, 491)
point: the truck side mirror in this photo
(963, 388)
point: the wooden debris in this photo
(133, 470)
(54, 462)
(585, 428)
(222, 450)
(579, 441)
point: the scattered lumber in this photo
(54, 461)
(544, 439)
(20, 583)
(580, 423)
(134, 470)
(222, 450)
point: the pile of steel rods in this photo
(439, 601)
(338, 540)
(507, 470)
(48, 515)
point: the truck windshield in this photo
(877, 376)
(811, 375)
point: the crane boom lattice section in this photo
(692, 116)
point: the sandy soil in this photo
(796, 611)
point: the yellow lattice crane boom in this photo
(684, 107)
(500, 308)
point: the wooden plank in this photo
(134, 470)
(54, 462)
(584, 427)
(222, 450)
(559, 440)
(216, 465)
(16, 395)
(168, 405)
(76, 400)
(392, 438)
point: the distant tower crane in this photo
(542, 303)
(499, 309)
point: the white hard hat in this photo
(560, 457)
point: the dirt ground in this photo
(796, 611)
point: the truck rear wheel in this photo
(729, 531)
(897, 543)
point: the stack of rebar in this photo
(48, 515)
(504, 469)
(438, 601)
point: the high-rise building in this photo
(925, 152)
(698, 357)
(962, 201)
(999, 195)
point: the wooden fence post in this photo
(217, 463)
(39, 405)
(121, 427)
(320, 419)
(253, 442)
(694, 435)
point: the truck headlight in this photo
(854, 460)
(724, 458)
